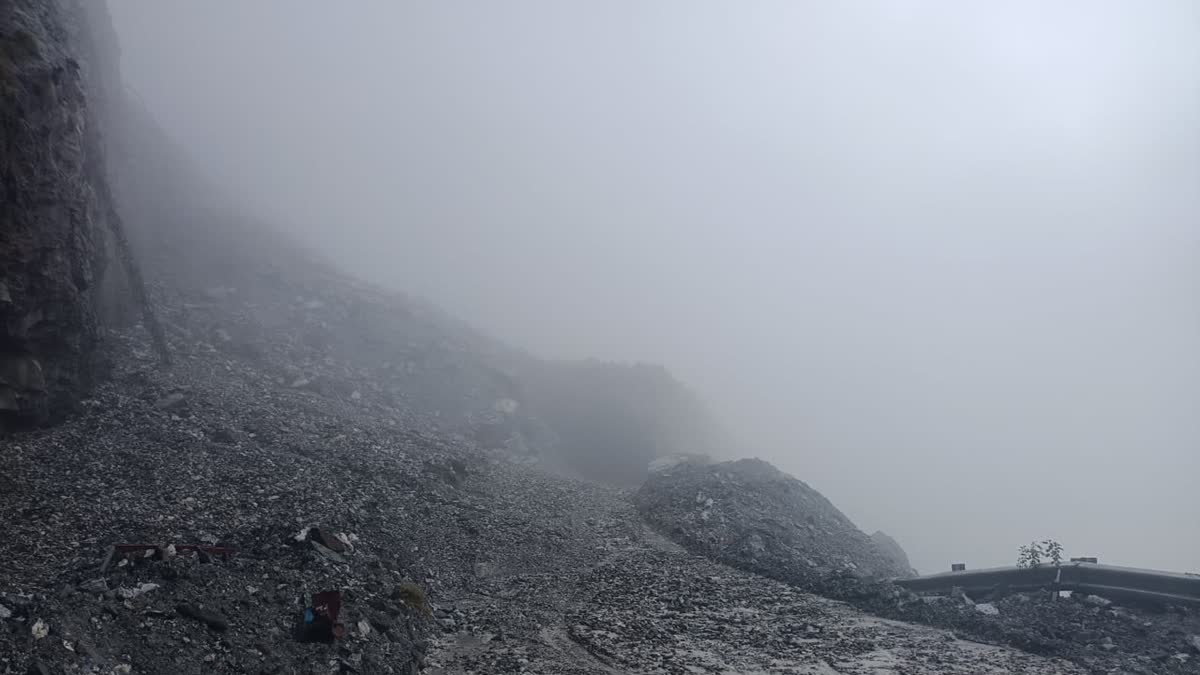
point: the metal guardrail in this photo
(1129, 584)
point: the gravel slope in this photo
(524, 571)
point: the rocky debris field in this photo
(324, 443)
(749, 512)
(635, 603)
(755, 518)
(1087, 630)
(212, 454)
(309, 491)
(446, 557)
(330, 478)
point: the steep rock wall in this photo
(50, 216)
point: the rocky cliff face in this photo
(51, 220)
(749, 514)
(892, 549)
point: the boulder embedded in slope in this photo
(753, 516)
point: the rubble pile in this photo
(635, 603)
(754, 518)
(440, 552)
(751, 514)
(253, 497)
(1087, 630)
(331, 478)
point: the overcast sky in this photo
(941, 260)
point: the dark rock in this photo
(94, 586)
(327, 539)
(51, 214)
(223, 435)
(208, 617)
(381, 622)
(171, 401)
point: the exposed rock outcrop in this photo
(892, 549)
(749, 514)
(51, 220)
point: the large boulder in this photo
(751, 515)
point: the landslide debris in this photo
(752, 517)
(750, 514)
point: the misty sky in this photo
(941, 260)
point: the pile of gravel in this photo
(750, 514)
(1087, 630)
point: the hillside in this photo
(749, 513)
(313, 442)
(250, 291)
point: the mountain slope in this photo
(315, 435)
(751, 514)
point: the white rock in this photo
(130, 593)
(5, 612)
(39, 629)
(987, 608)
(664, 463)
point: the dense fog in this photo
(939, 260)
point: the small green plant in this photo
(414, 596)
(1054, 551)
(1033, 555)
(1030, 556)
